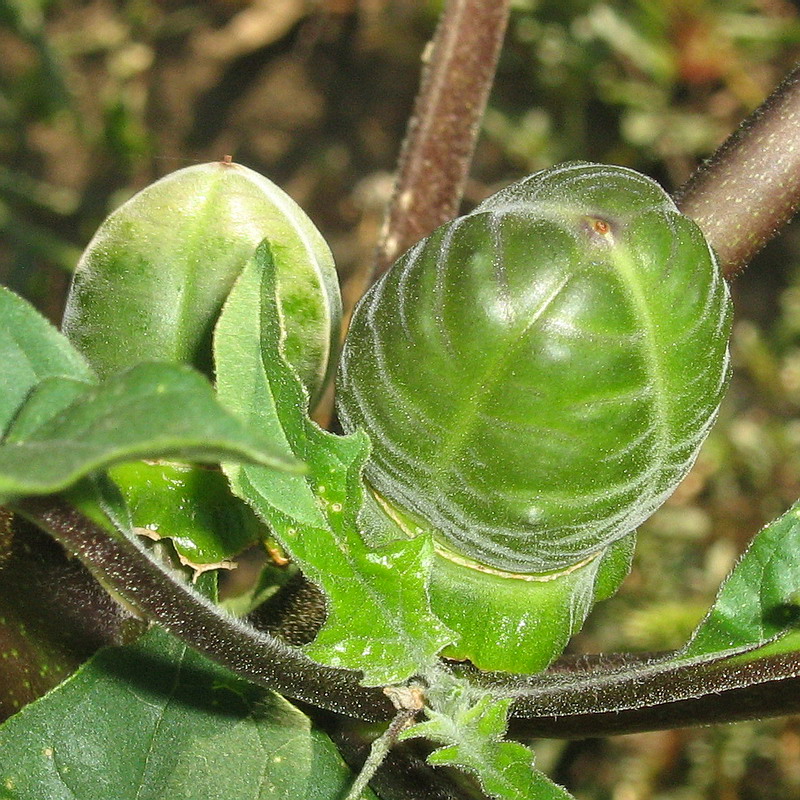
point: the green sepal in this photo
(537, 376)
(505, 622)
(189, 504)
(521, 623)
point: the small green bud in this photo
(152, 281)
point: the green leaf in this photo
(152, 410)
(512, 625)
(379, 619)
(31, 350)
(46, 400)
(157, 721)
(760, 599)
(190, 505)
(469, 728)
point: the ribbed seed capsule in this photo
(537, 376)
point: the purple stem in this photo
(144, 583)
(460, 63)
(750, 187)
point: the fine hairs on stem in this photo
(459, 67)
(746, 191)
(379, 750)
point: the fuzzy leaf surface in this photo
(152, 410)
(379, 620)
(183, 720)
(471, 738)
(31, 350)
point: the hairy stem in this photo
(53, 614)
(460, 64)
(622, 693)
(378, 752)
(404, 774)
(751, 186)
(128, 569)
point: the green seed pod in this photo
(153, 279)
(537, 376)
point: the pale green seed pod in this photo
(152, 281)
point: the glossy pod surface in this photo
(152, 281)
(537, 376)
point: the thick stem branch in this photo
(624, 693)
(437, 153)
(141, 581)
(751, 186)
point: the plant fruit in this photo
(537, 376)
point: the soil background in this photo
(99, 98)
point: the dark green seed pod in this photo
(152, 281)
(537, 376)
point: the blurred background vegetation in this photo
(99, 98)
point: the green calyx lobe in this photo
(521, 623)
(506, 621)
(537, 376)
(152, 281)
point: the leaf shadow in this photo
(191, 681)
(783, 615)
